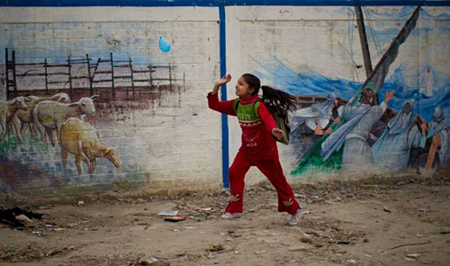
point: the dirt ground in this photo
(377, 221)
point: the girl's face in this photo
(242, 88)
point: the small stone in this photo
(53, 252)
(38, 233)
(306, 239)
(386, 209)
(141, 200)
(71, 225)
(413, 255)
(298, 248)
(80, 203)
(351, 261)
(144, 262)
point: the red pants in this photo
(272, 170)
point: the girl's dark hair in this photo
(276, 101)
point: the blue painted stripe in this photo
(149, 3)
(223, 97)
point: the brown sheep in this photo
(50, 115)
(7, 112)
(81, 139)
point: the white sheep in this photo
(24, 118)
(60, 97)
(50, 115)
(7, 112)
(82, 140)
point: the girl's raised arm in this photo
(225, 107)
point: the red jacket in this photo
(258, 142)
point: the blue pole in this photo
(223, 97)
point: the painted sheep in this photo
(50, 115)
(81, 139)
(7, 112)
(24, 118)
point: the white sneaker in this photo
(296, 218)
(229, 215)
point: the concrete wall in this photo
(314, 51)
(165, 135)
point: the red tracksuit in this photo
(258, 149)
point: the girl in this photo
(258, 141)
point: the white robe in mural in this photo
(426, 83)
(391, 151)
(357, 152)
(318, 114)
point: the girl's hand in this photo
(277, 133)
(225, 79)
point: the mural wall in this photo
(104, 105)
(398, 124)
(105, 98)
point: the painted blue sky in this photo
(314, 83)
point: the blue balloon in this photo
(164, 45)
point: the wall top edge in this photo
(211, 3)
